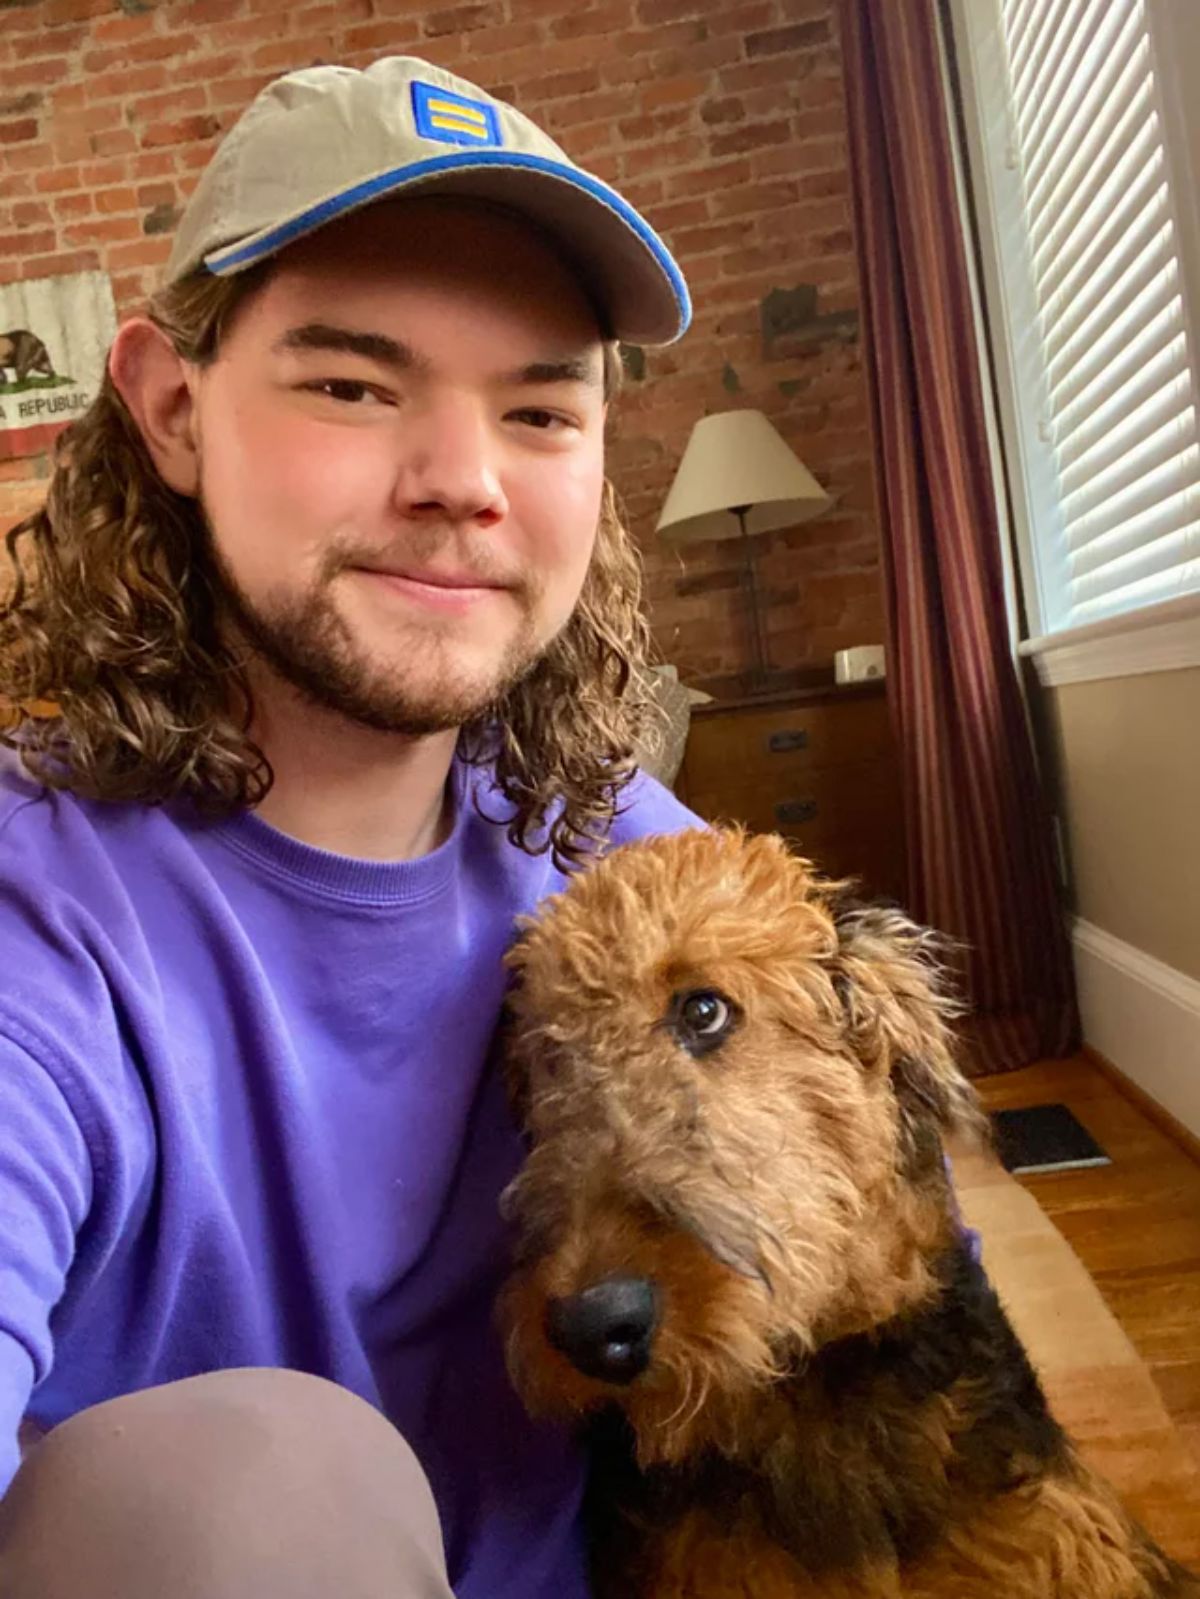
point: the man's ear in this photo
(153, 380)
(892, 984)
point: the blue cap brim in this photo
(665, 285)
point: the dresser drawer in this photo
(778, 743)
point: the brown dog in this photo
(737, 1234)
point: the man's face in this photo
(401, 460)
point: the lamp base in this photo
(761, 669)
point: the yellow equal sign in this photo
(457, 118)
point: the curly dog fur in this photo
(736, 1088)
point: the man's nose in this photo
(449, 466)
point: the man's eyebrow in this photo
(373, 346)
(395, 353)
(573, 369)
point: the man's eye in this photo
(349, 390)
(543, 421)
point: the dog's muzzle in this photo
(607, 1331)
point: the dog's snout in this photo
(607, 1330)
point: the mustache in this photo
(430, 547)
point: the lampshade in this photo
(737, 459)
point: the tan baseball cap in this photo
(319, 143)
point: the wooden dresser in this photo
(817, 765)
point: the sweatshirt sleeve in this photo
(45, 1196)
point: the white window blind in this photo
(1088, 238)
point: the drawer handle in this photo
(793, 811)
(793, 739)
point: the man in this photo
(341, 630)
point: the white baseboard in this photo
(1143, 1016)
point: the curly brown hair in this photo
(113, 623)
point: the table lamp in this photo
(738, 476)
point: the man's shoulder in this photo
(646, 807)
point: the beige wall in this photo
(1125, 754)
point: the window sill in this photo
(1160, 638)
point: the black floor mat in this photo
(1044, 1138)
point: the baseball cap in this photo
(319, 143)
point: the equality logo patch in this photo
(453, 118)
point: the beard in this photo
(421, 689)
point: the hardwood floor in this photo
(1135, 1224)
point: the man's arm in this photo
(45, 1195)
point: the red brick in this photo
(23, 244)
(462, 19)
(561, 85)
(708, 179)
(152, 48)
(39, 74)
(680, 214)
(603, 20)
(582, 143)
(147, 252)
(237, 93)
(58, 42)
(777, 41)
(70, 206)
(651, 12)
(585, 109)
(370, 36)
(742, 19)
(57, 179)
(119, 84)
(102, 230)
(31, 214)
(765, 197)
(184, 131)
(53, 13)
(641, 130)
(88, 120)
(109, 201)
(730, 109)
(746, 76)
(68, 97)
(152, 164)
(61, 262)
(661, 157)
(28, 157)
(114, 141)
(151, 107)
(496, 41)
(156, 194)
(814, 155)
(100, 174)
(690, 242)
(203, 13)
(15, 185)
(751, 136)
(123, 30)
(129, 289)
(674, 91)
(191, 158)
(18, 131)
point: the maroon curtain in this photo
(977, 828)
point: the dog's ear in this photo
(891, 978)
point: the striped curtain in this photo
(977, 827)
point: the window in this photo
(1087, 301)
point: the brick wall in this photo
(723, 121)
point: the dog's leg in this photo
(696, 1559)
(1060, 1537)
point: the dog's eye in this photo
(701, 1018)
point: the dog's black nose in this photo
(607, 1330)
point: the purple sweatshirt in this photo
(247, 1118)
